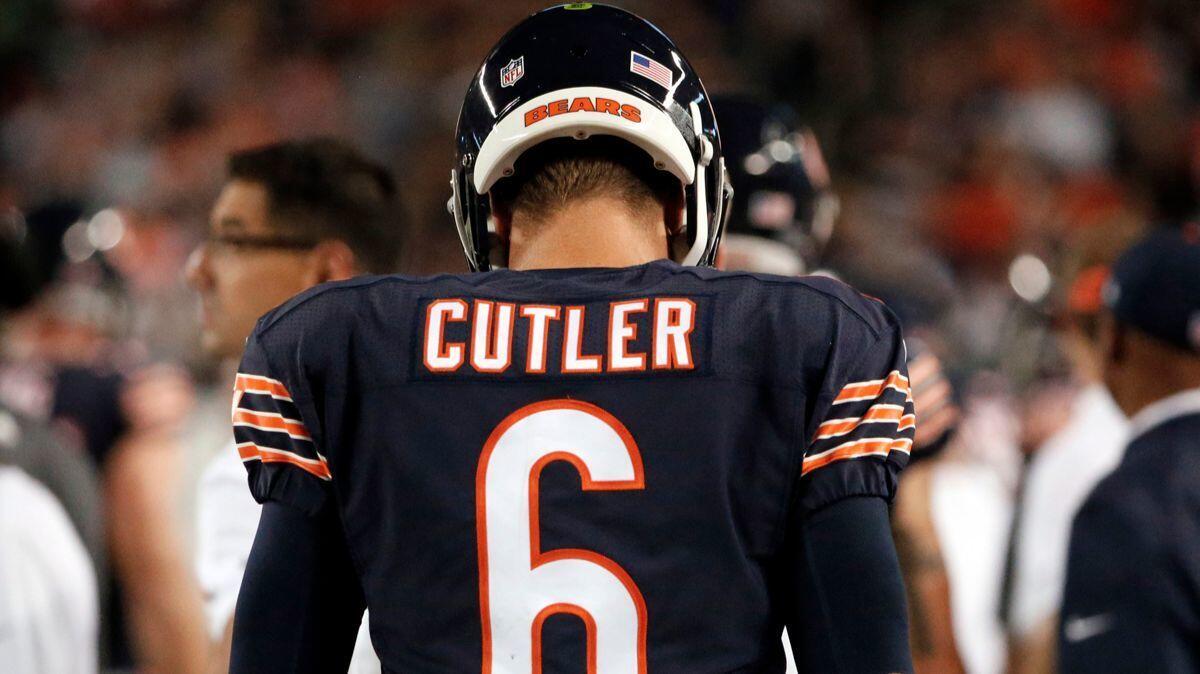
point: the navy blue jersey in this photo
(1132, 597)
(575, 470)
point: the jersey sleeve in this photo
(274, 441)
(865, 424)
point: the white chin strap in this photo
(700, 243)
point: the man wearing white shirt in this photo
(49, 603)
(48, 600)
(291, 216)
(1063, 470)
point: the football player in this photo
(606, 456)
(780, 223)
(785, 209)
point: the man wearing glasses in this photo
(290, 216)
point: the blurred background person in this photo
(931, 623)
(67, 366)
(952, 510)
(290, 216)
(1066, 466)
(969, 494)
(49, 599)
(1133, 574)
(53, 455)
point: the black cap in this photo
(1155, 286)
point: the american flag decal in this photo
(650, 69)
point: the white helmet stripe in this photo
(538, 120)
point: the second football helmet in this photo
(785, 210)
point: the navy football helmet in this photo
(577, 71)
(785, 210)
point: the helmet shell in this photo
(577, 71)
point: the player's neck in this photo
(597, 232)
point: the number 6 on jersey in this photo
(519, 585)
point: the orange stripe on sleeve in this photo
(268, 421)
(881, 413)
(252, 383)
(868, 390)
(855, 450)
(248, 451)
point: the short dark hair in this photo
(322, 188)
(555, 172)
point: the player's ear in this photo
(331, 260)
(502, 216)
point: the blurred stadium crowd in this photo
(990, 160)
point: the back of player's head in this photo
(616, 86)
(324, 189)
(1150, 337)
(546, 178)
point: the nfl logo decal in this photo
(512, 72)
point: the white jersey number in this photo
(519, 585)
